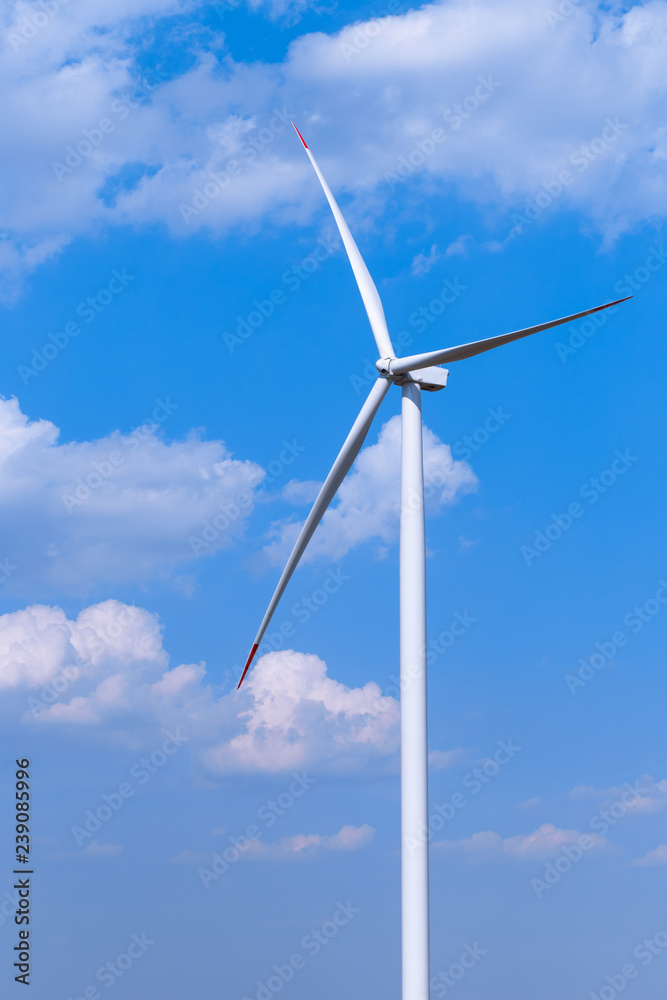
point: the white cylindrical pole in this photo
(414, 738)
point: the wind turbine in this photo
(413, 374)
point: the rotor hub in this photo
(431, 379)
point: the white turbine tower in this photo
(413, 374)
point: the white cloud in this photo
(125, 506)
(97, 850)
(367, 96)
(459, 247)
(300, 846)
(423, 262)
(136, 507)
(108, 671)
(38, 643)
(188, 857)
(301, 492)
(543, 843)
(368, 501)
(286, 11)
(654, 859)
(643, 796)
(306, 845)
(298, 715)
(442, 760)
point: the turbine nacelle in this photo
(431, 379)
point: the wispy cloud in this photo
(654, 859)
(544, 842)
(423, 262)
(442, 760)
(459, 247)
(645, 795)
(302, 845)
(299, 846)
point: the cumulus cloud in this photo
(123, 507)
(516, 101)
(107, 670)
(654, 859)
(136, 506)
(38, 643)
(368, 501)
(543, 843)
(297, 714)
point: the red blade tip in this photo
(249, 661)
(300, 136)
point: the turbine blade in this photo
(340, 469)
(449, 354)
(369, 292)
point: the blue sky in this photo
(182, 358)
